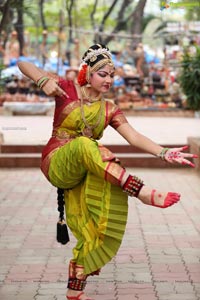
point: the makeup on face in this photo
(104, 73)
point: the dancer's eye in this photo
(104, 74)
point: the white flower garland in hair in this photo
(96, 53)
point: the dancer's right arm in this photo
(51, 87)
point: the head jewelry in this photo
(94, 58)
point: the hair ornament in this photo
(92, 56)
(82, 74)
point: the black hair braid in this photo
(62, 230)
(61, 203)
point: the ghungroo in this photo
(76, 284)
(77, 280)
(133, 186)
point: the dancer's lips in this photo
(106, 86)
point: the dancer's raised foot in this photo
(157, 198)
(77, 295)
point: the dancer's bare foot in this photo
(77, 295)
(156, 198)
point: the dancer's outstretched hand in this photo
(175, 155)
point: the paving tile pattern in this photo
(159, 258)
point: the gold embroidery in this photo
(114, 119)
(114, 173)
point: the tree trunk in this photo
(105, 17)
(136, 16)
(120, 18)
(5, 16)
(136, 24)
(69, 6)
(93, 13)
(41, 6)
(44, 32)
(93, 21)
(19, 26)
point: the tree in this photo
(19, 25)
(98, 37)
(106, 20)
(136, 24)
(189, 78)
(8, 8)
(122, 19)
(192, 11)
(69, 8)
(42, 17)
(113, 16)
(5, 12)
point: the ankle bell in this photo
(133, 186)
(76, 284)
(77, 279)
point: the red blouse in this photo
(63, 106)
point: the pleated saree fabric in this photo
(96, 214)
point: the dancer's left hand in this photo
(175, 155)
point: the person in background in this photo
(95, 184)
(119, 82)
(71, 74)
(12, 50)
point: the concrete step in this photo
(7, 148)
(20, 160)
(29, 156)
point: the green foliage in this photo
(190, 78)
(192, 11)
(2, 80)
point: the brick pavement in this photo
(159, 258)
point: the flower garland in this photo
(92, 56)
(82, 75)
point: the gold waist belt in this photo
(64, 135)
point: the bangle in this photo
(40, 83)
(162, 153)
(44, 82)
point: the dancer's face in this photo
(102, 79)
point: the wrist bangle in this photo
(162, 153)
(44, 82)
(40, 83)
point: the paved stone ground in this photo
(159, 258)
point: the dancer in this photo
(96, 185)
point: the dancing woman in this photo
(96, 185)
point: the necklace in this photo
(88, 130)
(85, 96)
